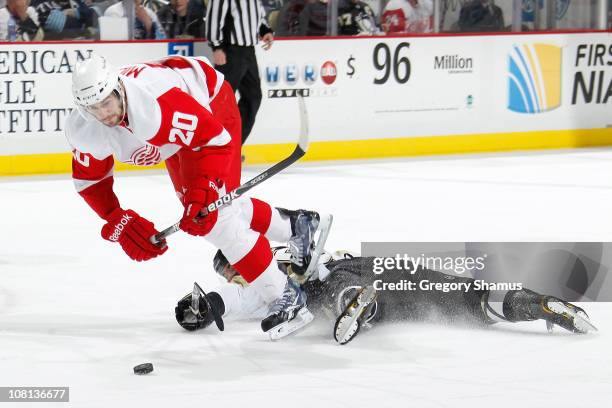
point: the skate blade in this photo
(325, 222)
(581, 322)
(346, 329)
(301, 319)
(348, 324)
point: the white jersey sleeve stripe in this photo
(220, 140)
(81, 185)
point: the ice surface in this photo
(74, 311)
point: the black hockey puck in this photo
(145, 368)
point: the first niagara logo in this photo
(534, 78)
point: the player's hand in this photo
(219, 57)
(133, 234)
(267, 39)
(196, 199)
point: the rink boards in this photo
(366, 97)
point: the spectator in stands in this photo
(313, 18)
(19, 22)
(481, 15)
(271, 5)
(66, 19)
(183, 19)
(146, 24)
(407, 16)
(356, 18)
(288, 22)
(272, 9)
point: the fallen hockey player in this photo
(344, 290)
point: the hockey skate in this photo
(528, 305)
(309, 232)
(288, 313)
(357, 313)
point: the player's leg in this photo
(473, 304)
(266, 219)
(527, 305)
(462, 304)
(249, 253)
(304, 231)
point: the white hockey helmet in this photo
(93, 80)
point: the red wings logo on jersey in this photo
(131, 71)
(146, 156)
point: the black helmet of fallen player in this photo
(191, 321)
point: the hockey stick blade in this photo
(297, 154)
(303, 139)
(213, 310)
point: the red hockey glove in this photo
(133, 234)
(195, 200)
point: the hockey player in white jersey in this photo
(181, 111)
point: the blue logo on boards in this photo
(180, 48)
(291, 74)
(534, 78)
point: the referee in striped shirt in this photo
(234, 27)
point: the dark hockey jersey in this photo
(356, 18)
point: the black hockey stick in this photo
(300, 150)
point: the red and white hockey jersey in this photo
(168, 111)
(403, 16)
